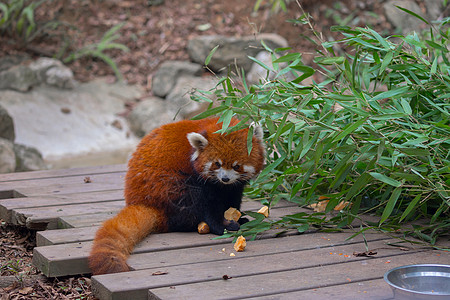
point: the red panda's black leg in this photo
(231, 225)
(243, 220)
(215, 226)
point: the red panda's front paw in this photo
(231, 225)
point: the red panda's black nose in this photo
(225, 179)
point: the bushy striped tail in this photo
(118, 236)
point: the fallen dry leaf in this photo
(365, 253)
(157, 273)
(26, 290)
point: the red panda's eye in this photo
(236, 167)
(218, 164)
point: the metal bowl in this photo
(416, 282)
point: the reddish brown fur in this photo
(156, 175)
(117, 237)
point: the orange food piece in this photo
(264, 211)
(322, 205)
(342, 205)
(203, 228)
(232, 214)
(240, 244)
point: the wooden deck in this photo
(67, 206)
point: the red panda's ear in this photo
(198, 141)
(257, 131)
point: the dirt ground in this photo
(153, 34)
(158, 33)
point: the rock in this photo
(166, 76)
(6, 125)
(20, 78)
(44, 70)
(74, 127)
(179, 99)
(7, 157)
(28, 159)
(9, 61)
(231, 49)
(257, 73)
(434, 9)
(149, 114)
(53, 72)
(402, 20)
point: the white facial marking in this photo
(249, 169)
(227, 176)
(206, 168)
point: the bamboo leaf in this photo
(263, 65)
(385, 179)
(412, 14)
(391, 93)
(272, 166)
(406, 107)
(411, 206)
(390, 205)
(349, 129)
(210, 55)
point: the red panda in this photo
(181, 174)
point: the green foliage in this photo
(97, 50)
(17, 20)
(375, 132)
(11, 267)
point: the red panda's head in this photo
(224, 158)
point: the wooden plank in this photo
(71, 259)
(108, 286)
(58, 173)
(65, 185)
(261, 249)
(41, 218)
(85, 220)
(367, 290)
(8, 205)
(270, 283)
(62, 236)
